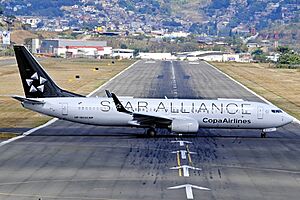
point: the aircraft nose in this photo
(286, 118)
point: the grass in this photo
(279, 86)
(63, 72)
(7, 135)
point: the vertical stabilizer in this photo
(36, 82)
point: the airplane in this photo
(43, 95)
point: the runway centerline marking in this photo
(174, 84)
(189, 155)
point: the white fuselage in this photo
(208, 113)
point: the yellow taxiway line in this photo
(179, 164)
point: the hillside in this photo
(289, 34)
(212, 17)
(189, 9)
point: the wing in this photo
(142, 119)
(145, 119)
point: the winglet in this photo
(119, 105)
(108, 94)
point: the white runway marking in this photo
(181, 142)
(186, 168)
(183, 153)
(174, 84)
(149, 62)
(188, 189)
(55, 119)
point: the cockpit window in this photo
(276, 111)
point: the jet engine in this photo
(185, 125)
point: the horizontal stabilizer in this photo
(26, 100)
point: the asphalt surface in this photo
(73, 161)
(7, 62)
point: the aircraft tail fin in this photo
(36, 82)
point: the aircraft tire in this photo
(151, 132)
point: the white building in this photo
(122, 53)
(51, 45)
(35, 45)
(32, 21)
(217, 56)
(176, 34)
(156, 56)
(274, 57)
(83, 51)
(205, 55)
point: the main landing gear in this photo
(151, 132)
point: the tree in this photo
(123, 46)
(283, 49)
(289, 58)
(260, 58)
(257, 52)
(259, 55)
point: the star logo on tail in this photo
(36, 78)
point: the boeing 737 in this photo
(177, 115)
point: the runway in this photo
(73, 161)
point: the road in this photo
(73, 161)
(7, 62)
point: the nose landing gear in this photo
(151, 132)
(263, 135)
(265, 131)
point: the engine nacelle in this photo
(185, 125)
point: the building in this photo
(217, 56)
(156, 56)
(84, 52)
(30, 20)
(205, 55)
(35, 45)
(122, 53)
(56, 46)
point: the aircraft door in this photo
(260, 112)
(64, 108)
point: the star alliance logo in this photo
(35, 77)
